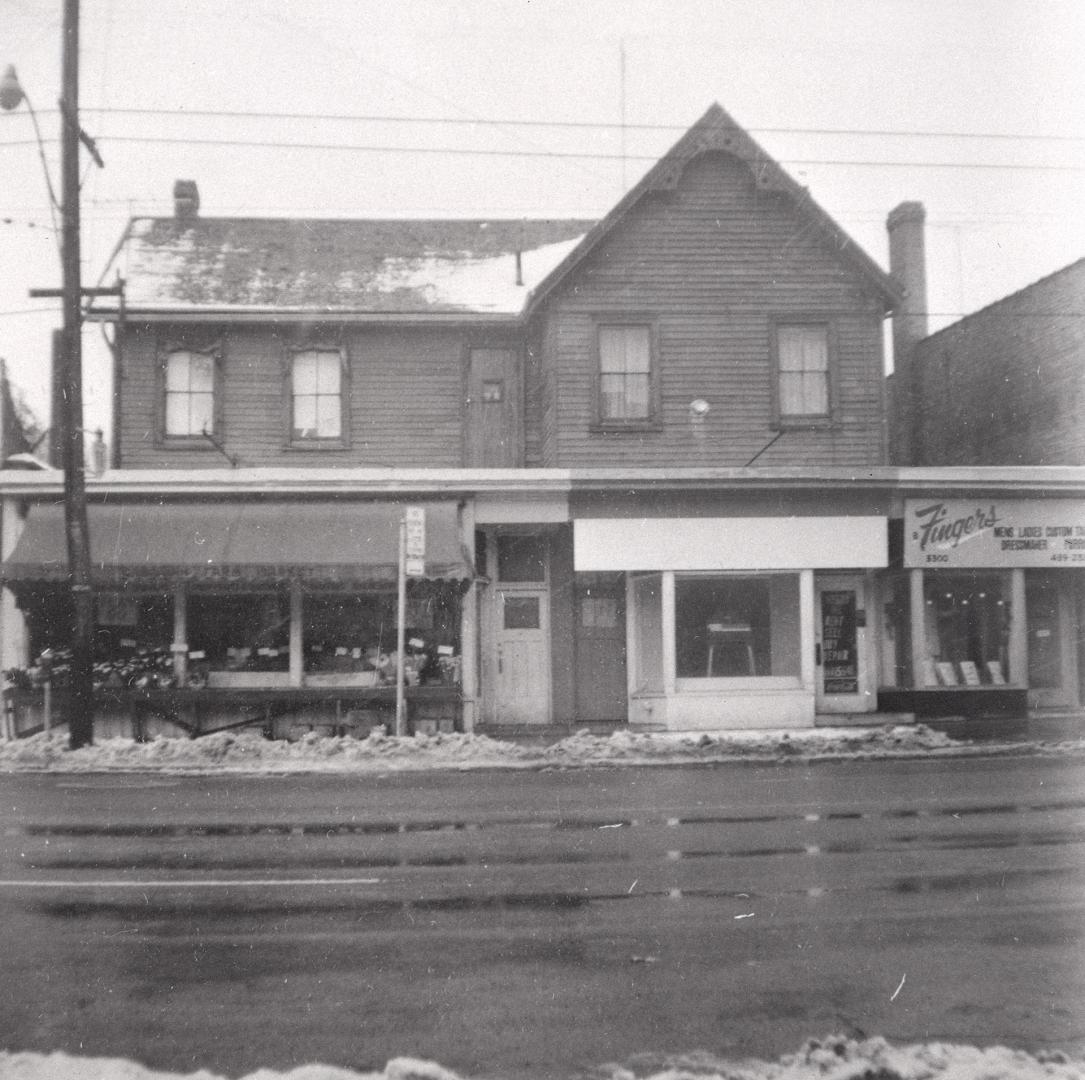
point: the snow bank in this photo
(249, 752)
(834, 1058)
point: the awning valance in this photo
(322, 543)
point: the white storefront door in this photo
(521, 688)
(516, 630)
(842, 645)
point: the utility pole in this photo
(81, 706)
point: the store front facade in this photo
(656, 600)
(985, 608)
(742, 621)
(218, 614)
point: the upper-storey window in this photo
(189, 393)
(316, 397)
(802, 372)
(626, 388)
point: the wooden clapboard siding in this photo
(406, 399)
(713, 263)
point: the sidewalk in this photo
(1042, 725)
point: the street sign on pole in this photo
(415, 523)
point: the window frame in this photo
(336, 442)
(191, 440)
(651, 422)
(797, 421)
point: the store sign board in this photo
(703, 544)
(994, 532)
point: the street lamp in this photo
(81, 694)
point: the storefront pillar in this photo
(1018, 644)
(469, 652)
(918, 615)
(180, 634)
(670, 662)
(297, 659)
(807, 667)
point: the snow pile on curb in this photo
(250, 752)
(835, 1058)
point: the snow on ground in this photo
(249, 752)
(834, 1058)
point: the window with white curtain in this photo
(316, 389)
(802, 367)
(625, 374)
(190, 393)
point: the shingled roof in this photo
(197, 265)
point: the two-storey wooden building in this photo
(652, 451)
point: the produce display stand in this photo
(203, 711)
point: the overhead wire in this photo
(276, 144)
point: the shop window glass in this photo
(521, 558)
(354, 635)
(1042, 604)
(967, 629)
(240, 631)
(737, 627)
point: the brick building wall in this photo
(1005, 386)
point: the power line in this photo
(591, 125)
(271, 144)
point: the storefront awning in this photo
(322, 543)
(764, 543)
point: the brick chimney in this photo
(908, 265)
(186, 200)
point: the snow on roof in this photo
(338, 266)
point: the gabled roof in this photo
(390, 267)
(399, 268)
(718, 131)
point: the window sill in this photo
(631, 426)
(812, 423)
(742, 682)
(185, 442)
(329, 444)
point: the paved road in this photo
(530, 925)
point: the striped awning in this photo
(321, 542)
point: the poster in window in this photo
(839, 644)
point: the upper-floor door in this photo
(493, 425)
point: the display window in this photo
(736, 627)
(967, 616)
(240, 631)
(351, 637)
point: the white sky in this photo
(1010, 68)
